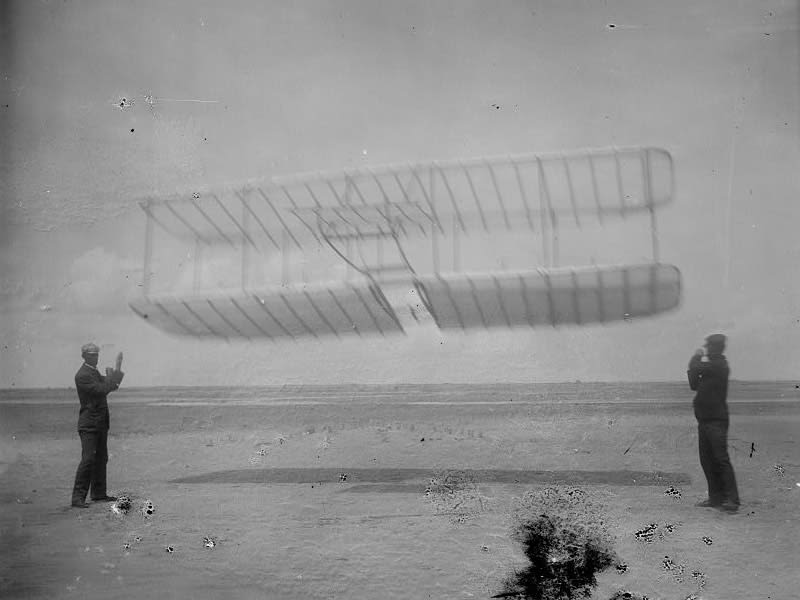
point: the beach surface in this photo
(325, 492)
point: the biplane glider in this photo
(564, 219)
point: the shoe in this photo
(80, 505)
(708, 504)
(728, 507)
(105, 499)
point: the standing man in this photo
(93, 422)
(708, 376)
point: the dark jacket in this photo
(93, 388)
(710, 380)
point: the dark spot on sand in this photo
(647, 533)
(564, 559)
(699, 578)
(625, 595)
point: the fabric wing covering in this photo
(553, 297)
(316, 312)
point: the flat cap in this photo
(716, 340)
(90, 348)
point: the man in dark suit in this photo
(93, 422)
(708, 376)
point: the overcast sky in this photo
(217, 92)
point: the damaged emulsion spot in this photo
(567, 543)
(625, 595)
(647, 533)
(652, 531)
(122, 505)
(673, 568)
(699, 579)
(669, 528)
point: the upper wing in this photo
(481, 194)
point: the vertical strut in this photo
(456, 256)
(245, 248)
(571, 187)
(595, 188)
(543, 211)
(620, 184)
(523, 194)
(284, 257)
(648, 191)
(198, 265)
(148, 250)
(434, 234)
(348, 250)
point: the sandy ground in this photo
(308, 500)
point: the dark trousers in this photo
(92, 468)
(713, 442)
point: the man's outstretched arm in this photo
(695, 370)
(96, 385)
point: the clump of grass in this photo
(567, 543)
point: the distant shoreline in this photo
(430, 393)
(296, 386)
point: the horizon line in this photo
(410, 384)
